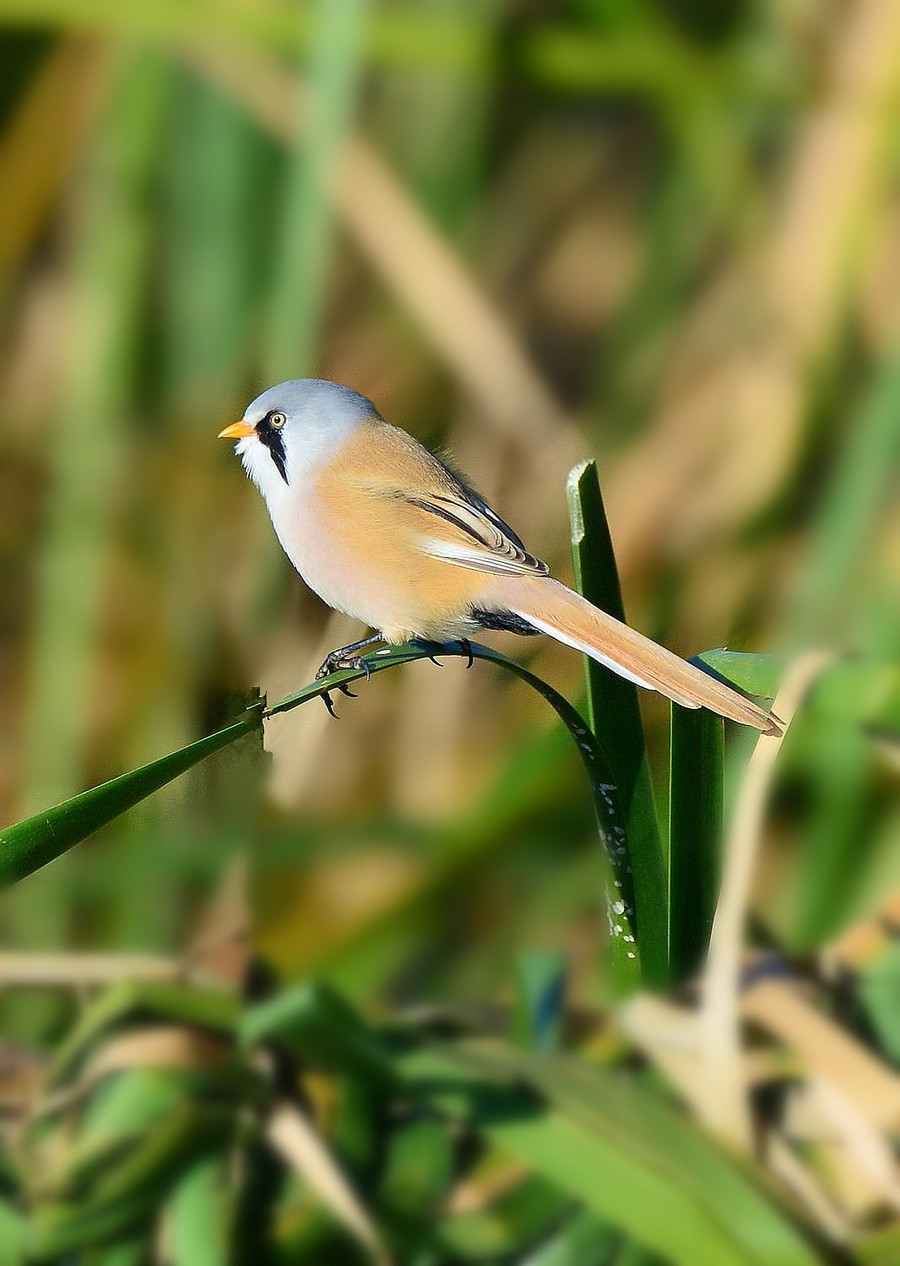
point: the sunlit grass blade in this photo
(615, 718)
(696, 770)
(30, 844)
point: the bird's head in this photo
(293, 428)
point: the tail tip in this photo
(774, 726)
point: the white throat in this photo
(306, 451)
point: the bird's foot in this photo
(336, 661)
(445, 647)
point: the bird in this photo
(391, 533)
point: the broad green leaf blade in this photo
(620, 891)
(652, 1128)
(615, 718)
(594, 1166)
(696, 770)
(754, 674)
(28, 845)
(627, 1156)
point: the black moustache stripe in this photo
(274, 442)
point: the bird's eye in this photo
(277, 420)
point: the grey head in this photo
(298, 425)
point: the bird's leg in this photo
(346, 657)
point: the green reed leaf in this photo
(30, 844)
(615, 717)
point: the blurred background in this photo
(664, 235)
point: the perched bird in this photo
(385, 531)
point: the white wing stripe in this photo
(461, 555)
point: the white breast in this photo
(301, 528)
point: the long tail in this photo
(566, 616)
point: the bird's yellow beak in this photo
(237, 431)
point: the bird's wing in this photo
(449, 519)
(466, 532)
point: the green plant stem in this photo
(607, 810)
(696, 767)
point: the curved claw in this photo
(434, 660)
(329, 704)
(345, 690)
(467, 647)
